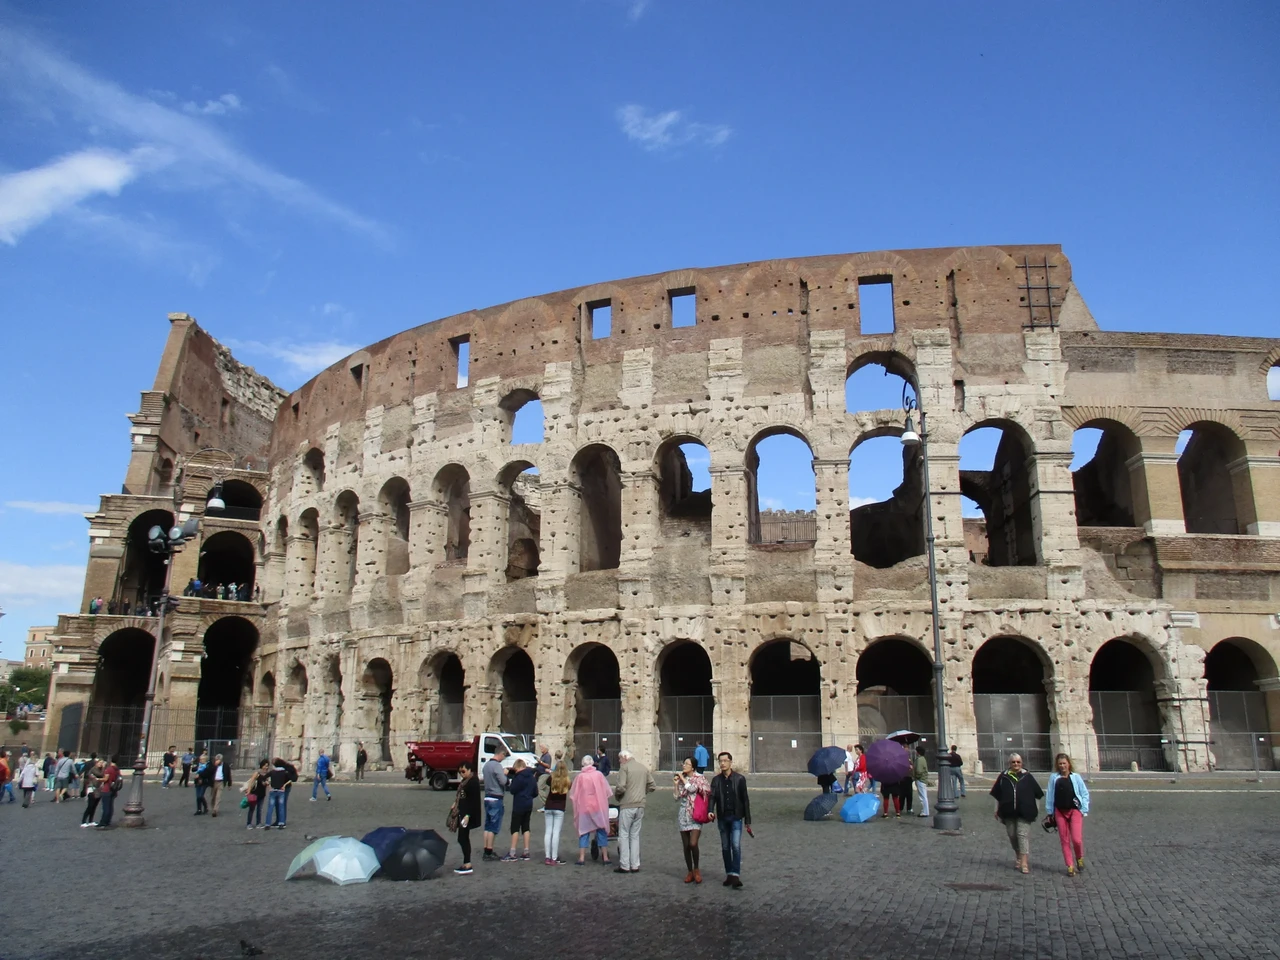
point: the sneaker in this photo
(313, 799)
(328, 796)
(462, 871)
(1080, 864)
(280, 826)
(737, 883)
(548, 862)
(83, 825)
(559, 861)
(525, 855)
(509, 858)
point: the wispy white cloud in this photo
(30, 197)
(27, 585)
(50, 506)
(148, 240)
(31, 73)
(856, 502)
(636, 9)
(227, 103)
(329, 309)
(664, 130)
(303, 358)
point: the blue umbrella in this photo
(820, 807)
(826, 760)
(860, 808)
(383, 840)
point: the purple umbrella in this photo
(887, 761)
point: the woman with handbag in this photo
(1069, 798)
(92, 775)
(255, 793)
(693, 795)
(465, 813)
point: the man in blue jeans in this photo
(494, 777)
(282, 774)
(731, 810)
(323, 769)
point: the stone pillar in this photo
(639, 534)
(1157, 492)
(1071, 721)
(487, 557)
(833, 550)
(639, 710)
(562, 503)
(1255, 482)
(728, 568)
(300, 570)
(332, 562)
(731, 720)
(372, 531)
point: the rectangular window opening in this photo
(601, 315)
(222, 412)
(875, 300)
(357, 374)
(462, 353)
(295, 411)
(684, 307)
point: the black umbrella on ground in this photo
(820, 807)
(419, 854)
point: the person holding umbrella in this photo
(1017, 798)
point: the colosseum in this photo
(389, 564)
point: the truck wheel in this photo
(439, 780)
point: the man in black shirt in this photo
(731, 810)
(166, 767)
(957, 769)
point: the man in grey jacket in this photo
(635, 783)
(495, 785)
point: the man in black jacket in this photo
(731, 810)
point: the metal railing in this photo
(787, 531)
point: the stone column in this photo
(639, 708)
(1157, 493)
(1071, 721)
(300, 570)
(729, 535)
(639, 533)
(833, 551)
(371, 553)
(332, 558)
(1255, 482)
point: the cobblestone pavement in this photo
(1173, 870)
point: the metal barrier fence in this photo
(682, 723)
(597, 722)
(785, 731)
(1013, 723)
(242, 736)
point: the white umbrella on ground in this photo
(308, 852)
(346, 860)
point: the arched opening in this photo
(1010, 704)
(444, 674)
(596, 483)
(306, 545)
(266, 693)
(1126, 716)
(996, 478)
(786, 707)
(229, 644)
(453, 490)
(524, 519)
(886, 501)
(895, 690)
(686, 703)
(243, 501)
(1212, 497)
(523, 416)
(165, 476)
(1101, 452)
(684, 481)
(227, 567)
(114, 719)
(393, 500)
(376, 691)
(781, 489)
(346, 553)
(879, 381)
(597, 700)
(312, 473)
(1239, 720)
(1273, 382)
(291, 722)
(513, 670)
(142, 572)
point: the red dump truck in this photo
(437, 761)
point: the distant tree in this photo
(17, 726)
(32, 684)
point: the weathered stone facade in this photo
(398, 533)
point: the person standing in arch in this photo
(362, 757)
(701, 757)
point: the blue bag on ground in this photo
(860, 808)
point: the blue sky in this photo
(309, 178)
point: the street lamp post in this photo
(946, 814)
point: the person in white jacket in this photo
(28, 778)
(1068, 798)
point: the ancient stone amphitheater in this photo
(402, 568)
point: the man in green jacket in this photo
(920, 773)
(635, 783)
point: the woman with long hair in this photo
(1069, 800)
(689, 785)
(92, 778)
(556, 793)
(466, 813)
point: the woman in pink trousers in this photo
(1069, 801)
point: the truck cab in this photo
(519, 746)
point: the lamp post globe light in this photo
(946, 815)
(165, 543)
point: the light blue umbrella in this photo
(346, 860)
(308, 853)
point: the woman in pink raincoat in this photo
(591, 796)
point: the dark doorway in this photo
(1010, 705)
(114, 721)
(142, 573)
(226, 559)
(519, 691)
(786, 707)
(895, 691)
(686, 704)
(597, 476)
(446, 672)
(378, 690)
(224, 676)
(1126, 717)
(1239, 721)
(598, 703)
